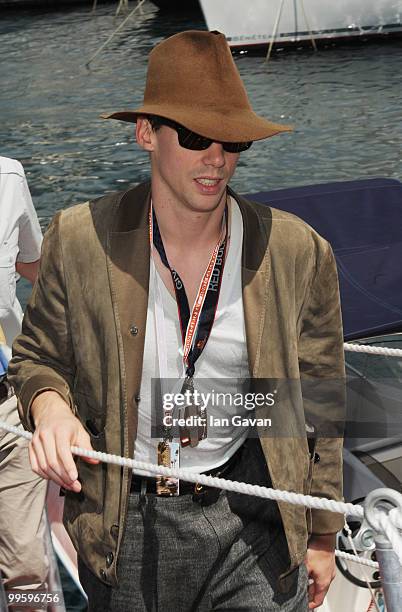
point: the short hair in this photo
(155, 121)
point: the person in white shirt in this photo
(23, 562)
(20, 243)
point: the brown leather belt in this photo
(147, 484)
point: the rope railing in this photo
(373, 350)
(388, 524)
(189, 475)
(361, 560)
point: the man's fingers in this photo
(53, 438)
(66, 458)
(34, 464)
(39, 453)
(40, 466)
(316, 594)
(90, 460)
(320, 563)
(311, 591)
(52, 457)
(48, 463)
(55, 467)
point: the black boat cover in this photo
(363, 222)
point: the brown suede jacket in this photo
(83, 335)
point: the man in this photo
(112, 310)
(23, 562)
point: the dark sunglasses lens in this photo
(191, 140)
(195, 142)
(236, 147)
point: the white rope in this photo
(318, 503)
(390, 524)
(366, 578)
(356, 559)
(395, 516)
(386, 522)
(373, 350)
(393, 534)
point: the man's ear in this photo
(144, 134)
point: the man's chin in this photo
(208, 202)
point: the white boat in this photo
(294, 22)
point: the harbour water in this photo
(344, 103)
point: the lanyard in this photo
(195, 326)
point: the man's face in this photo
(195, 180)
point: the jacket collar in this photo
(131, 209)
(256, 232)
(255, 273)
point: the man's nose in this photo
(214, 155)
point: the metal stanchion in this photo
(385, 500)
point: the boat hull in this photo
(177, 5)
(253, 24)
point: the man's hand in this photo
(28, 270)
(56, 430)
(320, 563)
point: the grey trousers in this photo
(180, 556)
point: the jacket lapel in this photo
(129, 252)
(255, 277)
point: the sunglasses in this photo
(195, 142)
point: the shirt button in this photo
(103, 574)
(114, 531)
(109, 559)
(133, 330)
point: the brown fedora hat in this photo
(193, 80)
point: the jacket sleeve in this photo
(43, 356)
(322, 370)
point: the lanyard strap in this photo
(195, 327)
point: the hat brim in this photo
(237, 126)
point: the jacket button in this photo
(114, 531)
(103, 574)
(133, 330)
(317, 458)
(137, 398)
(109, 559)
